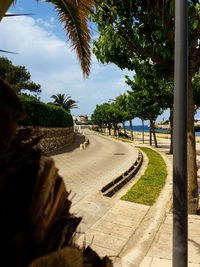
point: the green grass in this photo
(148, 187)
(163, 132)
(121, 139)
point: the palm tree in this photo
(64, 101)
(74, 15)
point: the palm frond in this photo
(64, 101)
(74, 15)
(18, 15)
(6, 51)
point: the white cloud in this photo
(54, 65)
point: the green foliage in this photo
(196, 90)
(64, 101)
(150, 94)
(41, 114)
(121, 103)
(133, 32)
(144, 103)
(148, 187)
(109, 114)
(17, 76)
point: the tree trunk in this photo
(118, 131)
(150, 136)
(109, 130)
(171, 130)
(143, 131)
(115, 132)
(192, 167)
(154, 134)
(124, 127)
(131, 129)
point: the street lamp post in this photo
(180, 214)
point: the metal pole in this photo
(180, 215)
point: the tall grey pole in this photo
(180, 215)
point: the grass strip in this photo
(148, 187)
(121, 139)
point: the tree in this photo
(143, 98)
(107, 115)
(196, 90)
(74, 15)
(160, 89)
(133, 31)
(127, 110)
(97, 116)
(17, 76)
(64, 101)
(120, 103)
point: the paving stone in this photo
(102, 252)
(103, 240)
(161, 263)
(146, 262)
(114, 229)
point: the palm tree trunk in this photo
(131, 129)
(191, 154)
(171, 130)
(154, 134)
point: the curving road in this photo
(85, 172)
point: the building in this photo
(80, 119)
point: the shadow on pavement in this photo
(78, 139)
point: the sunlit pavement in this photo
(133, 234)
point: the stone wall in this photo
(51, 138)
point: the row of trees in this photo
(126, 107)
(148, 98)
(133, 33)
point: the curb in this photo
(140, 242)
(115, 185)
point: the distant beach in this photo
(138, 128)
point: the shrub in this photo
(46, 115)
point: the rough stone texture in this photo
(50, 138)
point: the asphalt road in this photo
(86, 171)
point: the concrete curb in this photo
(116, 184)
(139, 243)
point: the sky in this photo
(44, 50)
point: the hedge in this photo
(46, 115)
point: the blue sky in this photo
(43, 49)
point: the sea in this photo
(138, 128)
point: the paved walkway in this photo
(158, 251)
(133, 234)
(85, 172)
